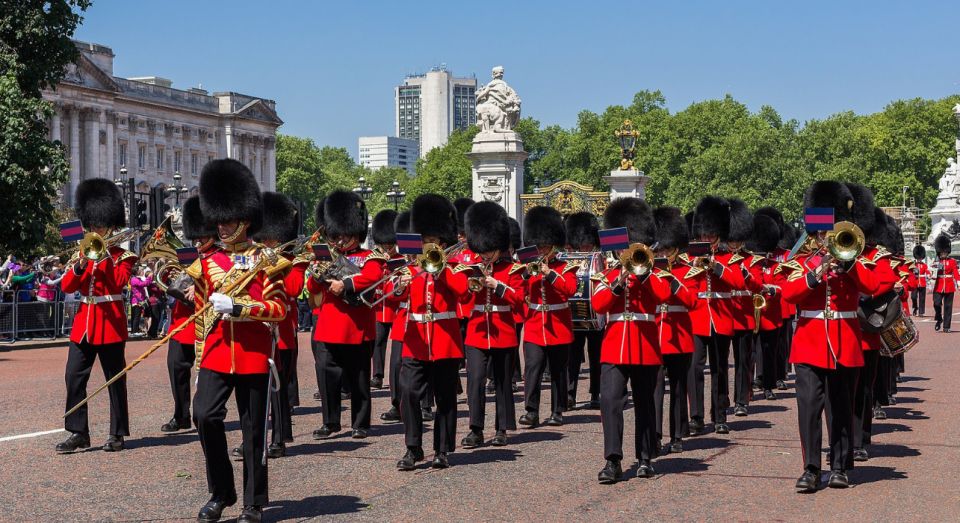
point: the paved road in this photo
(545, 474)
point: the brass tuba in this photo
(637, 259)
(845, 242)
(162, 245)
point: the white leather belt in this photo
(540, 307)
(715, 295)
(741, 293)
(492, 308)
(944, 276)
(631, 316)
(829, 315)
(92, 300)
(672, 308)
(432, 316)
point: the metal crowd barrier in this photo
(33, 319)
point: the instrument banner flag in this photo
(409, 243)
(187, 255)
(818, 218)
(527, 254)
(615, 239)
(321, 251)
(395, 263)
(71, 231)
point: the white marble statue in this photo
(950, 181)
(498, 106)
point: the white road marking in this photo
(30, 435)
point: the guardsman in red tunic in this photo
(885, 385)
(346, 326)
(713, 315)
(385, 239)
(516, 242)
(180, 353)
(766, 279)
(788, 237)
(100, 325)
(548, 329)
(432, 344)
(674, 327)
(630, 296)
(464, 256)
(918, 294)
(741, 228)
(827, 350)
(234, 352)
(497, 284)
(281, 224)
(582, 236)
(945, 282)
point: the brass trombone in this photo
(433, 259)
(533, 268)
(637, 259)
(845, 242)
(94, 247)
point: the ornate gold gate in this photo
(567, 197)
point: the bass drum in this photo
(899, 337)
(589, 264)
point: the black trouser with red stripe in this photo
(280, 399)
(344, 366)
(180, 361)
(442, 376)
(716, 349)
(613, 399)
(768, 342)
(676, 368)
(536, 359)
(742, 366)
(80, 357)
(380, 348)
(500, 362)
(820, 389)
(591, 341)
(863, 399)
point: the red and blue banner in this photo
(187, 255)
(527, 254)
(409, 243)
(818, 219)
(614, 239)
(71, 231)
(321, 252)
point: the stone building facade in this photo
(153, 130)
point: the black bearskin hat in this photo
(543, 226)
(434, 215)
(487, 228)
(384, 228)
(462, 204)
(318, 215)
(919, 252)
(942, 244)
(771, 212)
(635, 215)
(229, 192)
(345, 214)
(402, 223)
(582, 229)
(194, 225)
(741, 221)
(879, 232)
(864, 211)
(99, 204)
(895, 237)
(516, 237)
(711, 217)
(833, 194)
(766, 234)
(788, 236)
(671, 226)
(280, 220)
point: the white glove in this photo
(222, 303)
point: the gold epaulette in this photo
(867, 262)
(684, 257)
(693, 272)
(736, 257)
(517, 267)
(662, 273)
(600, 278)
(882, 252)
(376, 254)
(461, 268)
(300, 260)
(126, 255)
(282, 266)
(195, 270)
(754, 259)
(894, 263)
(569, 267)
(795, 275)
(792, 265)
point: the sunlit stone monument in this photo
(627, 180)
(947, 208)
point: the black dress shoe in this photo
(391, 416)
(515, 387)
(359, 433)
(860, 455)
(645, 470)
(73, 443)
(555, 420)
(237, 452)
(808, 482)
(740, 411)
(696, 427)
(594, 402)
(490, 388)
(944, 330)
(769, 395)
(344, 395)
(113, 444)
(376, 382)
(410, 459)
(428, 414)
(175, 425)
(529, 419)
(276, 450)
(440, 461)
(879, 413)
(316, 395)
(722, 428)
(325, 431)
(757, 385)
(936, 326)
(472, 440)
(781, 385)
(251, 514)
(499, 439)
(213, 510)
(891, 399)
(611, 473)
(838, 479)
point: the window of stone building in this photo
(122, 154)
(193, 164)
(159, 158)
(176, 161)
(142, 156)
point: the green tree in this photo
(446, 170)
(35, 47)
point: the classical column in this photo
(55, 123)
(92, 144)
(272, 163)
(74, 153)
(111, 119)
(228, 134)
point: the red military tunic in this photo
(886, 278)
(945, 276)
(101, 319)
(491, 324)
(549, 320)
(714, 309)
(764, 271)
(787, 309)
(465, 257)
(675, 328)
(292, 286)
(630, 337)
(742, 299)
(433, 329)
(238, 344)
(386, 310)
(337, 320)
(907, 274)
(922, 271)
(828, 330)
(178, 316)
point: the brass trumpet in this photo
(637, 259)
(845, 242)
(94, 247)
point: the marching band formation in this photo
(648, 299)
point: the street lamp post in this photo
(395, 195)
(362, 189)
(177, 189)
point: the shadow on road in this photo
(705, 443)
(581, 418)
(668, 465)
(749, 424)
(535, 436)
(904, 379)
(326, 447)
(904, 413)
(892, 450)
(483, 456)
(180, 438)
(886, 428)
(864, 474)
(312, 507)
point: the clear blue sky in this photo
(332, 66)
